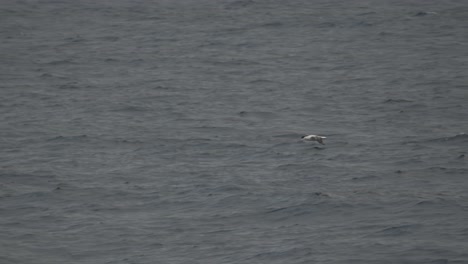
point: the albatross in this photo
(319, 139)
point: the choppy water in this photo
(169, 131)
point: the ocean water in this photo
(170, 131)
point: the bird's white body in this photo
(319, 139)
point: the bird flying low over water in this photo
(319, 139)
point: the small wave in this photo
(213, 129)
(278, 254)
(69, 86)
(273, 24)
(394, 101)
(290, 167)
(425, 13)
(49, 75)
(434, 203)
(367, 13)
(318, 202)
(227, 188)
(289, 135)
(131, 108)
(458, 139)
(198, 140)
(110, 38)
(453, 171)
(239, 4)
(60, 62)
(69, 138)
(365, 178)
(327, 25)
(399, 230)
(262, 81)
(126, 141)
(261, 115)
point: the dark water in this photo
(169, 131)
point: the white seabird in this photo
(319, 139)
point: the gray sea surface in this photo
(157, 131)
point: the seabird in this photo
(319, 139)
